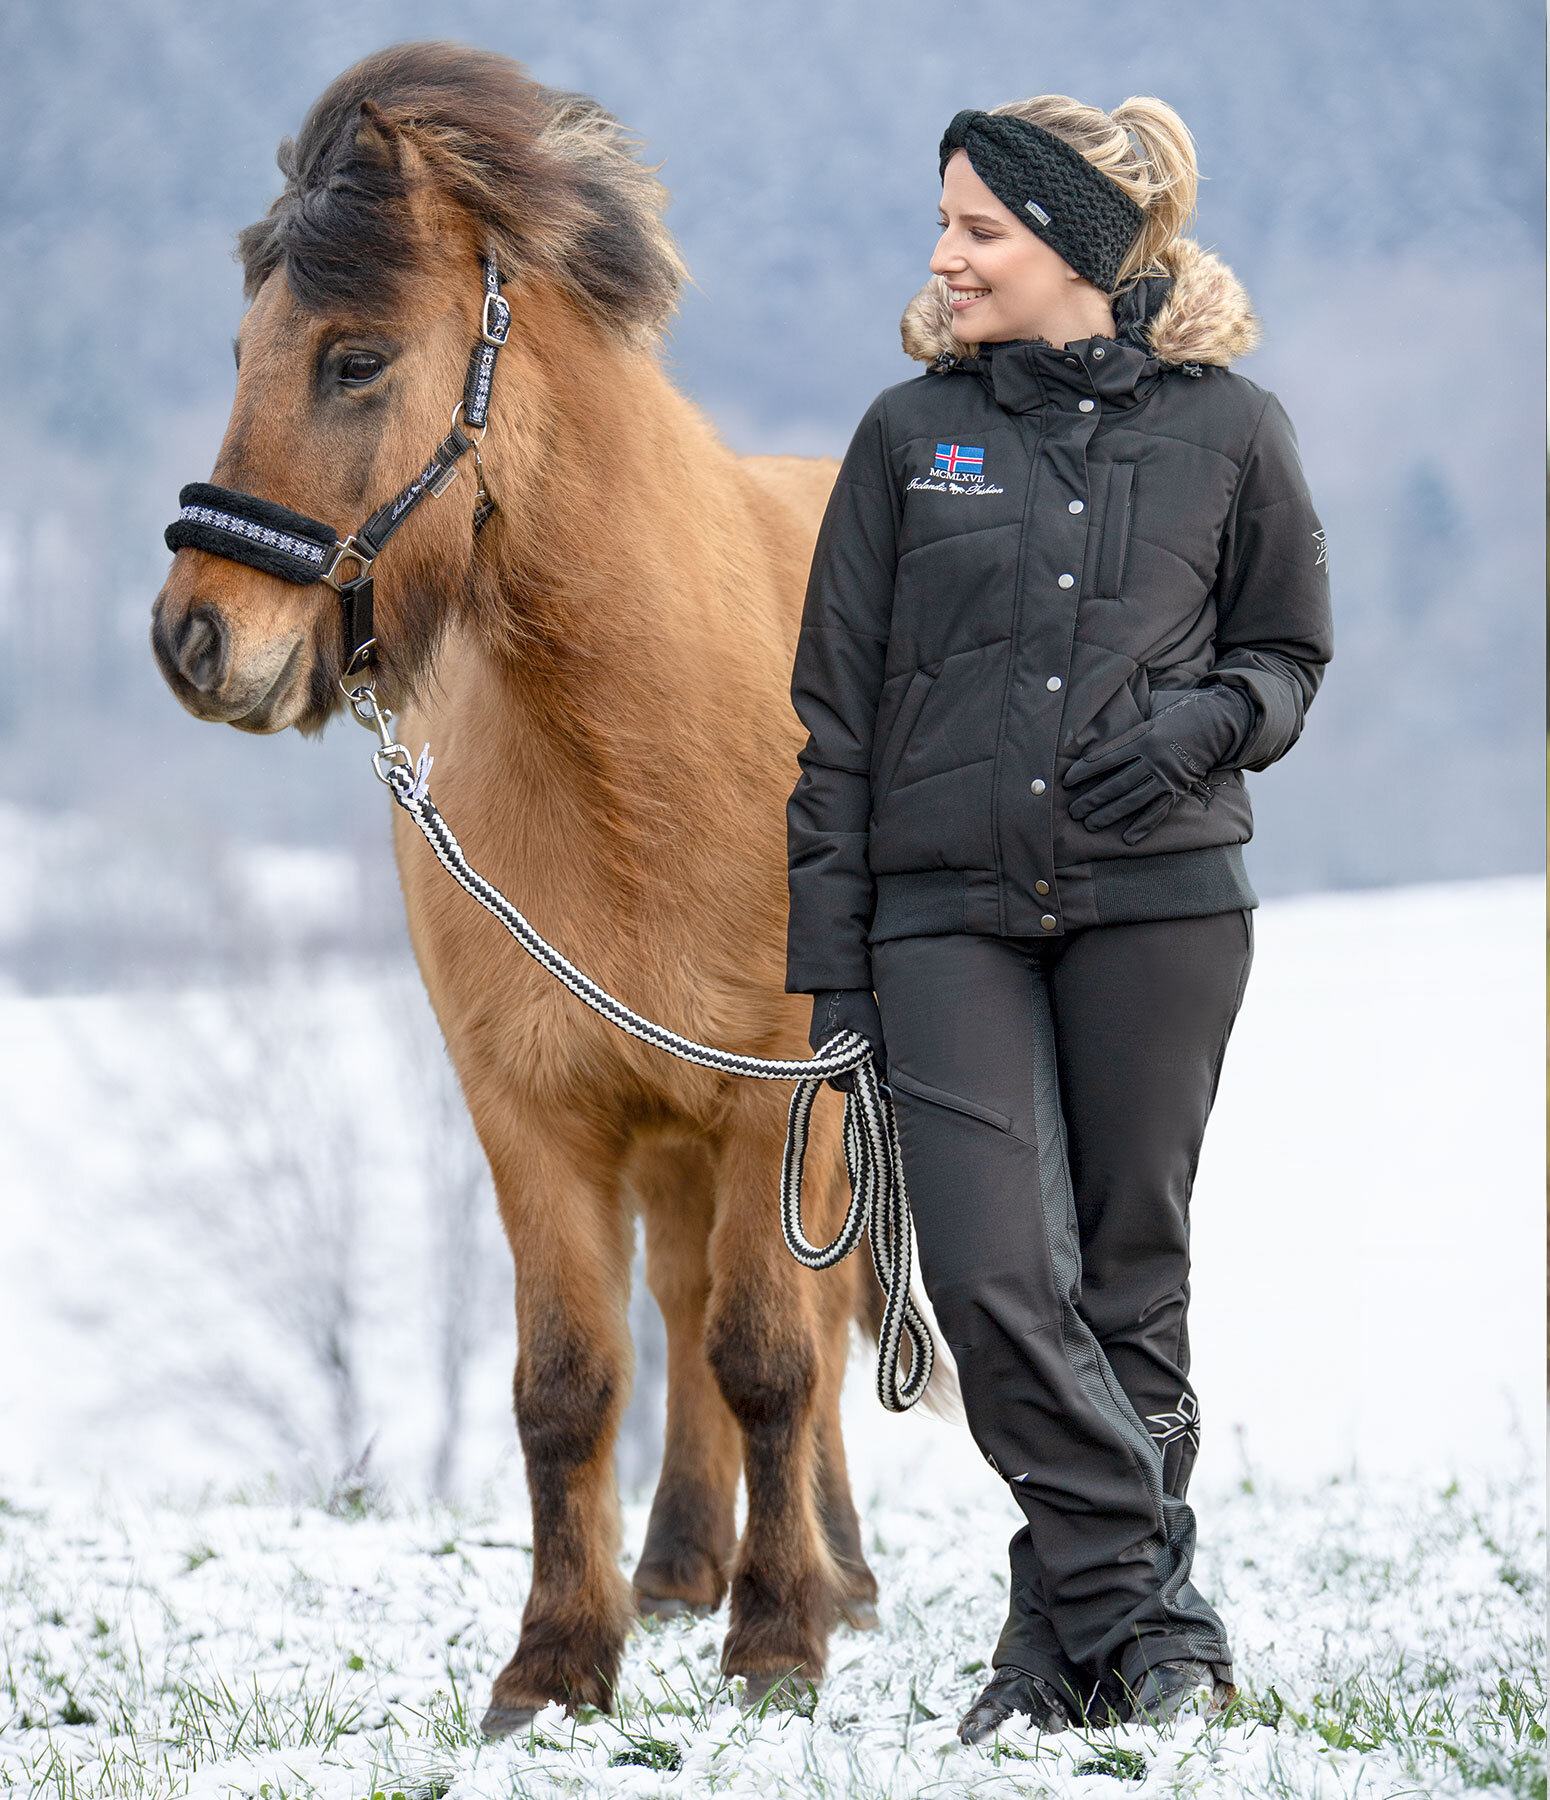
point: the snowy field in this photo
(1388, 1637)
(228, 1270)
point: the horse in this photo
(602, 668)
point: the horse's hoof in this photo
(860, 1615)
(788, 1692)
(667, 1606)
(505, 1721)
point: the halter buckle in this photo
(495, 324)
(349, 551)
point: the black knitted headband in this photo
(1084, 217)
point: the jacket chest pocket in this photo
(1114, 543)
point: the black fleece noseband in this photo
(264, 535)
(1086, 219)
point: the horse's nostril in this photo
(202, 649)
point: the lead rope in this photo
(879, 1201)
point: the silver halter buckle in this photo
(349, 551)
(495, 324)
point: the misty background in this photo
(1373, 174)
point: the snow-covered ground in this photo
(1389, 1639)
(1368, 1340)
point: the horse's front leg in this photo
(571, 1239)
(765, 1342)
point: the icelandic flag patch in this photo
(959, 459)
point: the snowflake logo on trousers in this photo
(1183, 1422)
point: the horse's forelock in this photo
(549, 177)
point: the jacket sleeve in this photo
(1273, 628)
(835, 685)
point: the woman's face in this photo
(1005, 281)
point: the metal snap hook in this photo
(389, 757)
(368, 709)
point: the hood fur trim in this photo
(1206, 319)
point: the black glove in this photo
(1148, 767)
(849, 1009)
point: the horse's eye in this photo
(359, 367)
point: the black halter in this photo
(288, 544)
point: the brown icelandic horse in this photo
(603, 675)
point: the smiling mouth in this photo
(962, 297)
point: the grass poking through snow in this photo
(1390, 1643)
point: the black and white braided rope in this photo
(879, 1202)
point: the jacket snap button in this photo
(1075, 506)
(1066, 581)
(1037, 786)
(1049, 921)
(1085, 405)
(1097, 352)
(1041, 887)
(1053, 684)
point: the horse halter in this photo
(243, 528)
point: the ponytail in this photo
(1145, 148)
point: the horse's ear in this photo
(376, 139)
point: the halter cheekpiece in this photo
(243, 528)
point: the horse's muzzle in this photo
(201, 660)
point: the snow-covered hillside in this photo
(182, 1177)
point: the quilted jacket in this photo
(1026, 549)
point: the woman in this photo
(1069, 586)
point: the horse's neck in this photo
(644, 592)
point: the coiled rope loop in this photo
(879, 1202)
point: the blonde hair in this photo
(1145, 148)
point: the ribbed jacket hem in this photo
(1183, 884)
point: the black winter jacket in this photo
(1023, 551)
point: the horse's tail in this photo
(942, 1397)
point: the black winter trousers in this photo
(1052, 1096)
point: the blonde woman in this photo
(1069, 587)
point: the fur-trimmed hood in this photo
(1206, 317)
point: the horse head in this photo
(414, 171)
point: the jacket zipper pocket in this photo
(899, 733)
(1116, 531)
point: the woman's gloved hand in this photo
(849, 1009)
(1145, 770)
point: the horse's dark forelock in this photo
(549, 177)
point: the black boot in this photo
(1011, 1691)
(1163, 1689)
